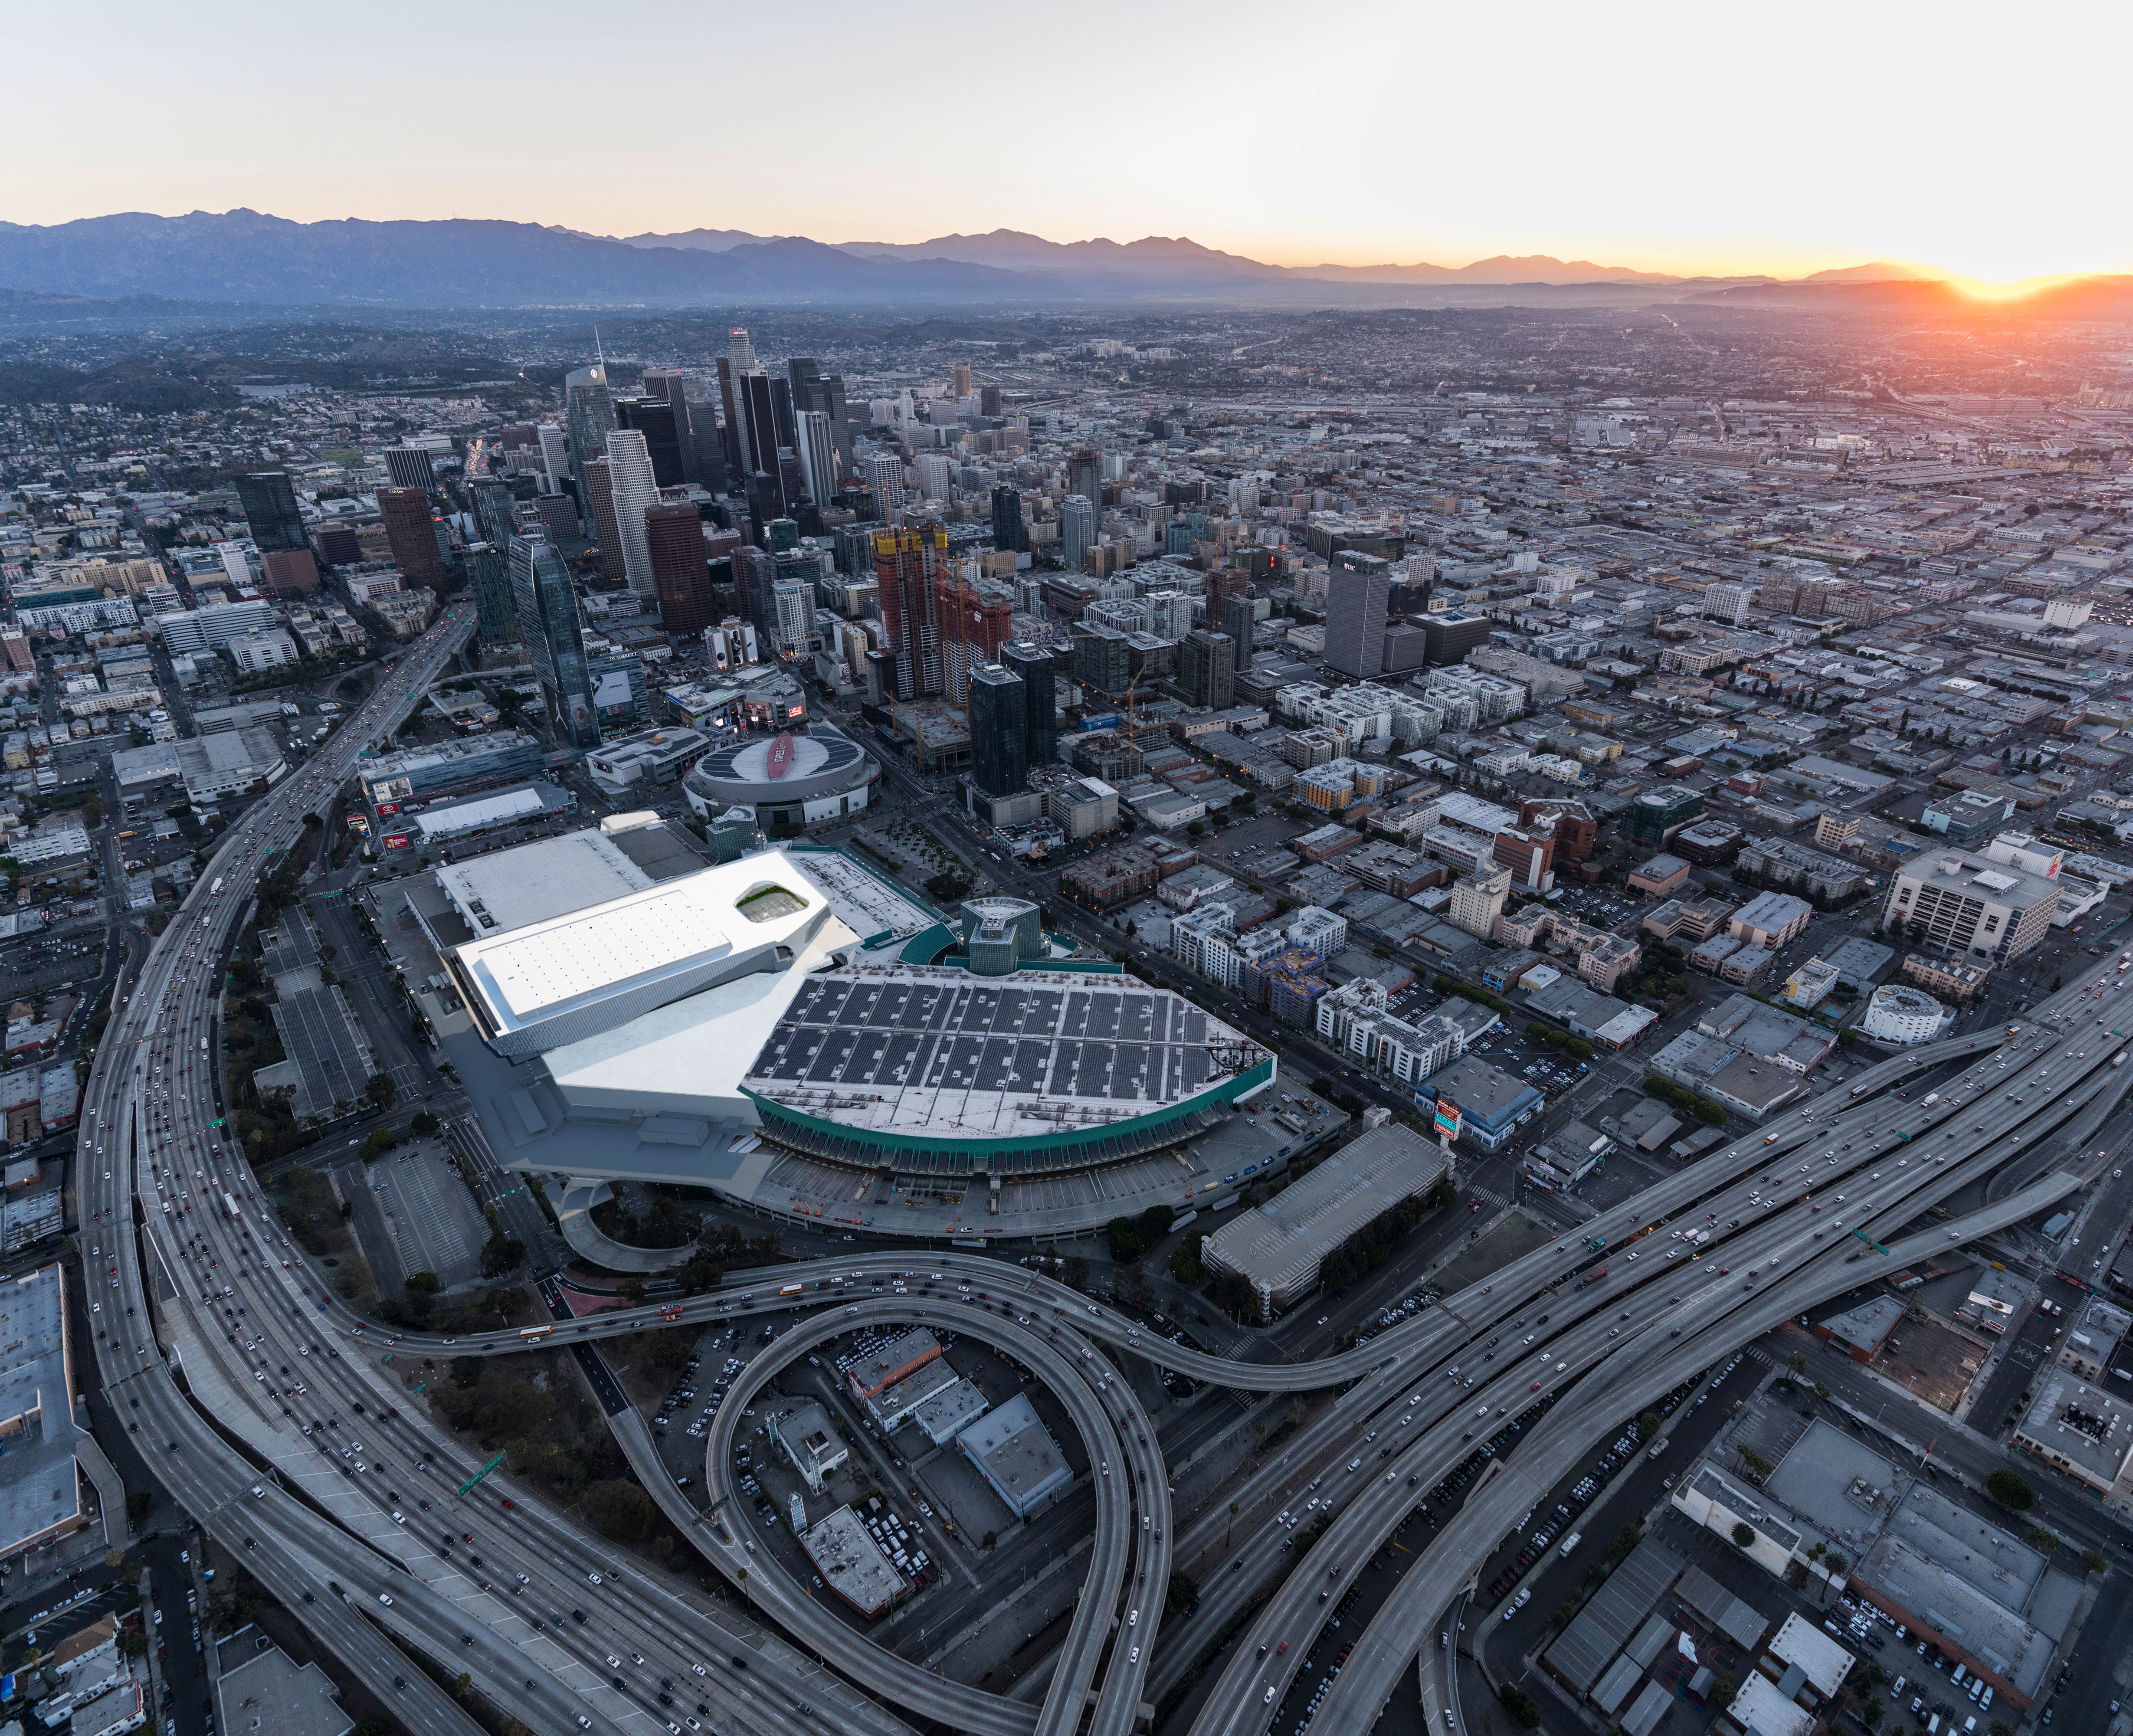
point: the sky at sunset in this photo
(1674, 138)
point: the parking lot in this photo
(413, 1202)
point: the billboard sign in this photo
(1447, 1118)
(397, 841)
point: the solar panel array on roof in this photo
(1121, 1044)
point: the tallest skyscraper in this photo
(589, 415)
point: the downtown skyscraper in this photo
(636, 491)
(588, 415)
(1358, 586)
(268, 502)
(546, 609)
(908, 563)
(999, 722)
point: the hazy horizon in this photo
(1365, 134)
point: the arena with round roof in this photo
(788, 780)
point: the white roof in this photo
(1825, 1662)
(484, 810)
(544, 965)
(1757, 1705)
(549, 877)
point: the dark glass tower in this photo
(814, 390)
(1009, 532)
(489, 577)
(999, 722)
(547, 611)
(269, 504)
(672, 385)
(759, 422)
(587, 415)
(1040, 732)
(1236, 621)
(491, 496)
(654, 418)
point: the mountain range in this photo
(248, 257)
(1166, 259)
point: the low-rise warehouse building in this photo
(1770, 919)
(522, 805)
(40, 1484)
(892, 1405)
(1016, 1456)
(1278, 1247)
(1860, 1332)
(893, 1363)
(810, 1441)
(2081, 1430)
(416, 773)
(851, 1563)
(949, 1411)
(1491, 1105)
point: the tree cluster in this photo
(1131, 1238)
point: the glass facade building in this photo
(268, 502)
(546, 608)
(1000, 719)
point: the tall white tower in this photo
(629, 475)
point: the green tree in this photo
(423, 1123)
(380, 1089)
(500, 1254)
(1183, 1593)
(1648, 1424)
(1709, 1113)
(2011, 1490)
(618, 1509)
(1524, 1710)
(1744, 1537)
(2039, 1536)
(2094, 1560)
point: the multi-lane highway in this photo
(1660, 1313)
(286, 1440)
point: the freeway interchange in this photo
(270, 1410)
